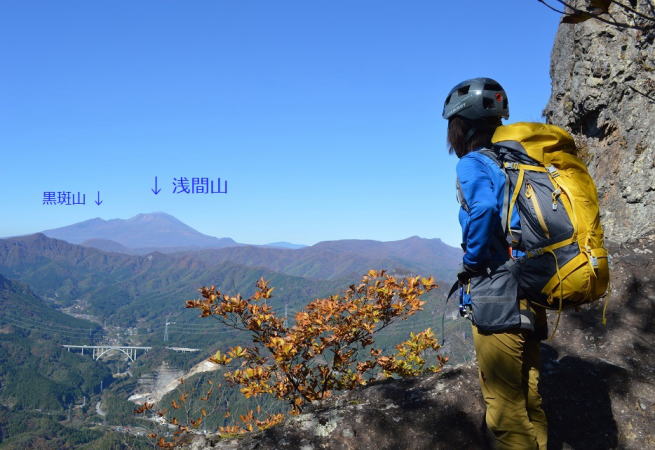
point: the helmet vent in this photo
(463, 90)
(492, 87)
(487, 103)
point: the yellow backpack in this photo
(565, 262)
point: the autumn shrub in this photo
(329, 347)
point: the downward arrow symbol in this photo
(155, 190)
(98, 202)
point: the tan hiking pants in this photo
(508, 365)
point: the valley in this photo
(87, 334)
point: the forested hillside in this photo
(45, 391)
(138, 300)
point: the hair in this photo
(458, 129)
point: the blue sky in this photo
(323, 116)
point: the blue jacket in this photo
(481, 189)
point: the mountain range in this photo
(160, 232)
(143, 234)
(346, 258)
(140, 234)
(134, 290)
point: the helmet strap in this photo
(469, 134)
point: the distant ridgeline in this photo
(144, 292)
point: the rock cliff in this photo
(603, 92)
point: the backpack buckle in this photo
(552, 171)
(465, 303)
(511, 165)
(533, 253)
(556, 193)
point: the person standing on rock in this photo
(507, 349)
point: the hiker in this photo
(506, 326)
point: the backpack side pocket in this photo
(494, 298)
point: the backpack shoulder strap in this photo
(460, 196)
(493, 154)
(497, 154)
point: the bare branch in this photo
(634, 11)
(575, 11)
(649, 97)
(543, 2)
(596, 16)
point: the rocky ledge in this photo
(598, 385)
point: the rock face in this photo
(597, 384)
(599, 381)
(407, 414)
(603, 92)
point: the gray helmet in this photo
(476, 98)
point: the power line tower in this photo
(166, 324)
